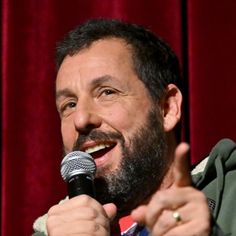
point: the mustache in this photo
(96, 135)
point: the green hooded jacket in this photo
(218, 182)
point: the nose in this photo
(86, 117)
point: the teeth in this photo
(96, 148)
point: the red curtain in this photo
(201, 32)
(212, 73)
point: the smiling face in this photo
(98, 89)
(106, 111)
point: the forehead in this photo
(111, 50)
(107, 56)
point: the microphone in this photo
(78, 170)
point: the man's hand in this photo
(81, 215)
(179, 210)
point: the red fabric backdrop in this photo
(201, 32)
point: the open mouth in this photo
(99, 150)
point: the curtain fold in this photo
(200, 32)
(211, 78)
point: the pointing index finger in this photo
(182, 176)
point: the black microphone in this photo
(78, 170)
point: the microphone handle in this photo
(80, 184)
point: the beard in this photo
(142, 168)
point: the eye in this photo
(108, 92)
(67, 108)
(70, 105)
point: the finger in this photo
(162, 220)
(77, 228)
(79, 201)
(168, 199)
(110, 210)
(190, 228)
(82, 213)
(139, 214)
(164, 223)
(181, 169)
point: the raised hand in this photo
(179, 210)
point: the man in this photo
(118, 96)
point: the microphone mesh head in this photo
(76, 163)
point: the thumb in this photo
(110, 210)
(139, 214)
(182, 176)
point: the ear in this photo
(171, 107)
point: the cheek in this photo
(68, 136)
(127, 121)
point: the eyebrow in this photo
(96, 82)
(64, 93)
(100, 80)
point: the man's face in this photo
(106, 111)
